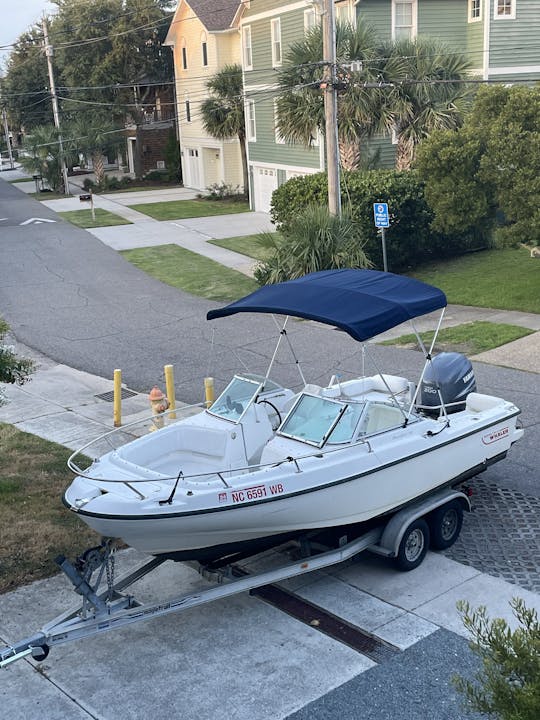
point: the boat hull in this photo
(369, 480)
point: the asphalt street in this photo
(74, 299)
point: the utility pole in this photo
(330, 106)
(8, 140)
(49, 54)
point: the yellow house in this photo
(204, 36)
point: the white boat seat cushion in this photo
(381, 417)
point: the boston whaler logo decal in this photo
(494, 436)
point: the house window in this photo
(310, 19)
(204, 50)
(505, 9)
(184, 55)
(404, 19)
(280, 140)
(275, 27)
(188, 110)
(251, 128)
(246, 45)
(475, 10)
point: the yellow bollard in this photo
(169, 386)
(209, 391)
(117, 398)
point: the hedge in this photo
(410, 240)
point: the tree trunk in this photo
(99, 167)
(349, 154)
(243, 153)
(404, 154)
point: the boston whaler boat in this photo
(264, 463)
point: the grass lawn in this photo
(506, 279)
(191, 272)
(470, 338)
(36, 527)
(83, 218)
(182, 209)
(49, 195)
(257, 246)
(20, 180)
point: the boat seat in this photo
(381, 417)
(203, 441)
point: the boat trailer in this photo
(105, 606)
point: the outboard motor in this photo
(454, 375)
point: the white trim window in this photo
(251, 125)
(247, 52)
(183, 51)
(275, 31)
(475, 10)
(504, 10)
(404, 19)
(204, 49)
(311, 19)
(187, 108)
(280, 140)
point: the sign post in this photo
(382, 221)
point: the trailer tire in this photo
(445, 525)
(413, 546)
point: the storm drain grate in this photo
(324, 621)
(109, 396)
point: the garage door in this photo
(264, 184)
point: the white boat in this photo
(264, 463)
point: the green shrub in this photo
(172, 157)
(313, 240)
(508, 684)
(410, 240)
(13, 369)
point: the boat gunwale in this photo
(222, 508)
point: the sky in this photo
(17, 16)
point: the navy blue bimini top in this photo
(363, 303)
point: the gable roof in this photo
(215, 16)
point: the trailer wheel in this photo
(445, 524)
(413, 546)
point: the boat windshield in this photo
(236, 398)
(316, 420)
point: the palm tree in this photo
(41, 155)
(361, 113)
(223, 112)
(93, 135)
(430, 92)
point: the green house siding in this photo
(516, 42)
(378, 14)
(475, 43)
(265, 149)
(445, 20)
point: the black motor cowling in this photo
(453, 374)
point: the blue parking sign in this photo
(380, 212)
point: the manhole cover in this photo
(109, 396)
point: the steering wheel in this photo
(274, 408)
(233, 406)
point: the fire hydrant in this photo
(159, 404)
